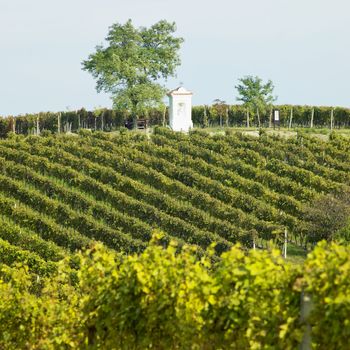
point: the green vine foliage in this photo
(168, 298)
(104, 119)
(196, 285)
(196, 188)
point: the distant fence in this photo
(202, 116)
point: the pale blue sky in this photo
(301, 45)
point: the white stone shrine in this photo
(180, 109)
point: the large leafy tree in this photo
(130, 66)
(255, 95)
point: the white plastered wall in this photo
(180, 109)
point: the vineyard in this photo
(164, 218)
(170, 299)
(59, 193)
(212, 197)
(104, 119)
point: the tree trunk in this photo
(247, 118)
(270, 119)
(258, 115)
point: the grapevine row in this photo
(125, 203)
(11, 255)
(26, 239)
(130, 168)
(64, 215)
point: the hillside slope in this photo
(60, 192)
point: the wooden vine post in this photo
(254, 237)
(332, 118)
(164, 116)
(285, 243)
(205, 117)
(37, 126)
(58, 122)
(312, 118)
(226, 116)
(305, 311)
(13, 124)
(78, 119)
(290, 118)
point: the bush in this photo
(326, 216)
(85, 132)
(45, 133)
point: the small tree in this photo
(221, 109)
(255, 95)
(326, 215)
(132, 63)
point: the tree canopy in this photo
(328, 217)
(130, 66)
(254, 94)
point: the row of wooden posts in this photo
(291, 119)
(67, 127)
(290, 123)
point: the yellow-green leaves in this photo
(168, 298)
(327, 280)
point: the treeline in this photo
(202, 116)
(171, 299)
